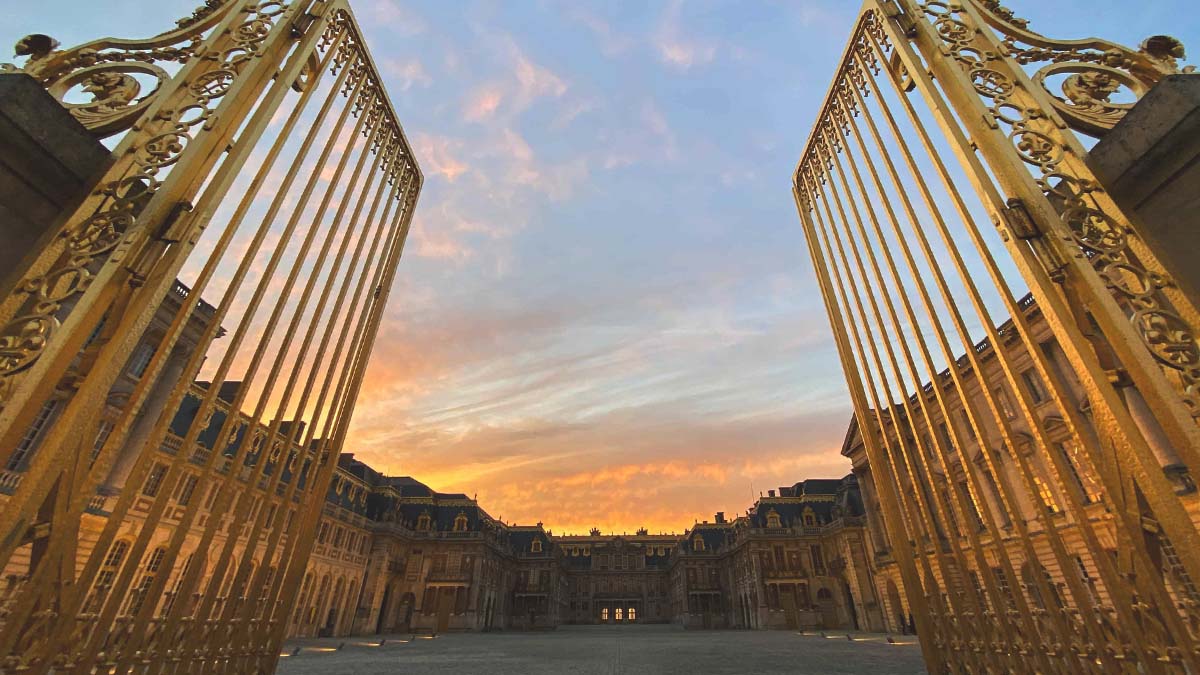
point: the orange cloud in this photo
(482, 103)
(437, 158)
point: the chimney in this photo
(720, 516)
(770, 493)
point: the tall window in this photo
(423, 521)
(143, 587)
(1070, 453)
(141, 359)
(108, 572)
(604, 614)
(16, 460)
(102, 435)
(618, 614)
(1034, 385)
(536, 545)
(1045, 494)
(633, 613)
(698, 543)
(818, 560)
(966, 422)
(1004, 402)
(460, 523)
(154, 481)
(944, 437)
(186, 490)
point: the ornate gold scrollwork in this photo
(105, 69)
(1095, 70)
(116, 106)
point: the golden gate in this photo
(941, 180)
(256, 157)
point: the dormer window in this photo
(773, 519)
(810, 518)
(536, 546)
(698, 543)
(423, 521)
(460, 523)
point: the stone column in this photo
(139, 434)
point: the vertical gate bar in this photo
(919, 472)
(1051, 531)
(223, 485)
(361, 350)
(248, 610)
(180, 322)
(161, 278)
(922, 512)
(189, 441)
(1115, 586)
(239, 513)
(1132, 451)
(256, 419)
(949, 301)
(256, 520)
(975, 487)
(35, 382)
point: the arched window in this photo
(618, 614)
(697, 543)
(536, 546)
(824, 594)
(604, 614)
(423, 521)
(633, 613)
(460, 523)
(773, 519)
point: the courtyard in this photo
(585, 650)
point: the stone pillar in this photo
(1150, 164)
(128, 455)
(47, 164)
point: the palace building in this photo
(393, 555)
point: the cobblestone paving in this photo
(605, 650)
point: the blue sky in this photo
(605, 315)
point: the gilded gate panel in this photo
(1014, 438)
(190, 445)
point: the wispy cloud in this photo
(395, 17)
(482, 103)
(437, 155)
(677, 49)
(612, 42)
(406, 72)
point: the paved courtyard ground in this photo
(587, 650)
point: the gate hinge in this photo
(1019, 222)
(170, 230)
(903, 20)
(301, 25)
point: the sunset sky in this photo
(605, 315)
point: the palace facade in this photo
(392, 555)
(799, 558)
